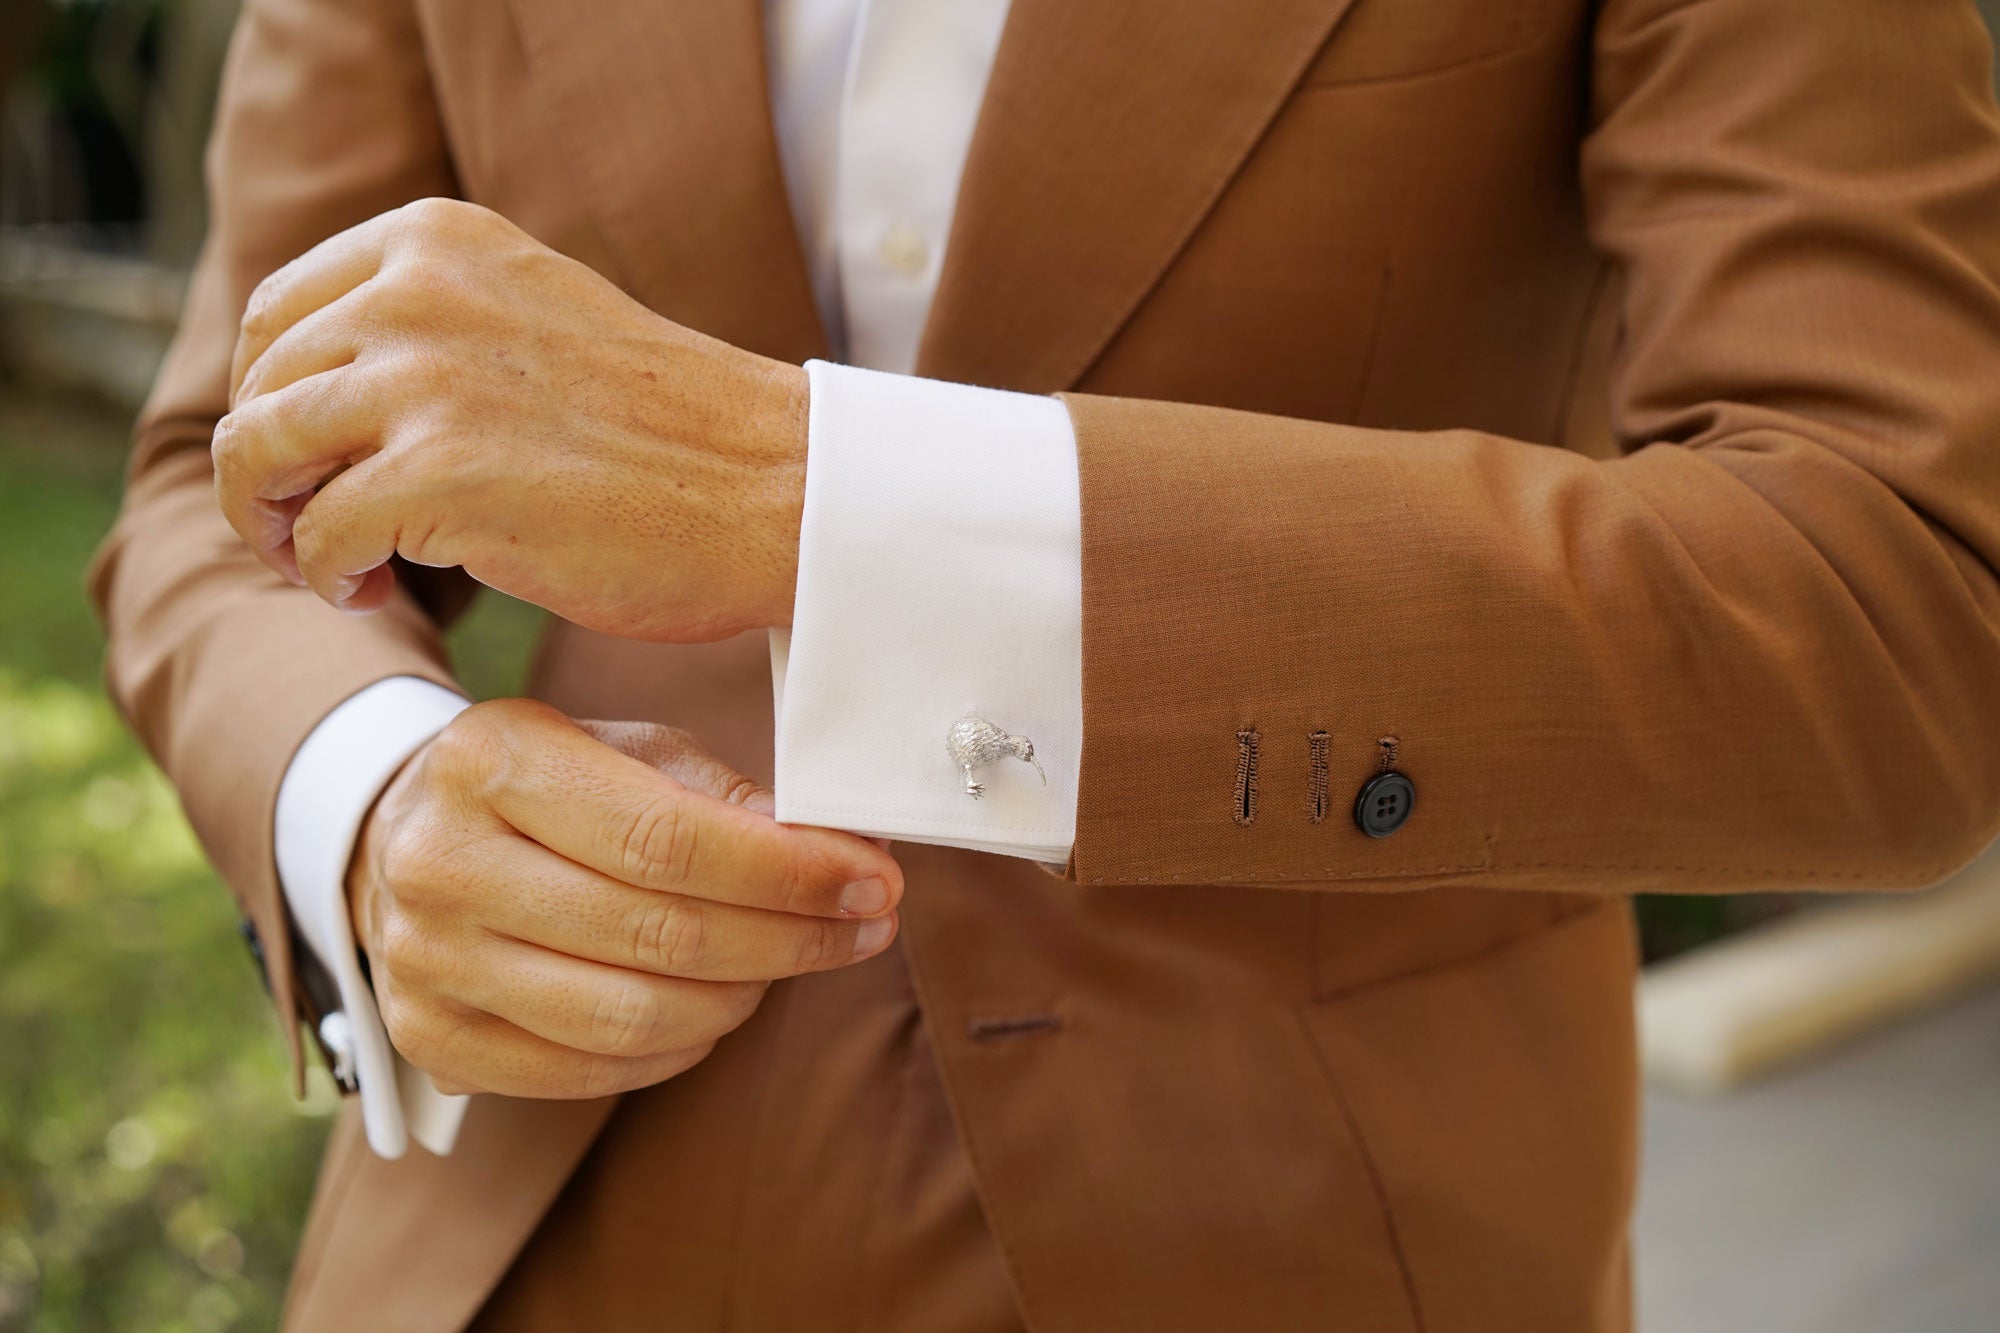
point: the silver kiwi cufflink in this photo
(974, 742)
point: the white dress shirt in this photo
(940, 554)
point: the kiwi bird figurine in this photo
(973, 742)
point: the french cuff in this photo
(326, 794)
(940, 578)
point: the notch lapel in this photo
(1109, 131)
(666, 110)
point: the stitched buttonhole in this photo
(1001, 1029)
(1316, 776)
(1246, 777)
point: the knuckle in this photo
(670, 936)
(394, 1011)
(385, 304)
(476, 745)
(422, 367)
(739, 790)
(262, 306)
(413, 1029)
(422, 862)
(456, 462)
(433, 214)
(417, 540)
(402, 952)
(232, 453)
(407, 861)
(310, 537)
(403, 299)
(471, 729)
(498, 719)
(225, 446)
(257, 373)
(624, 1020)
(656, 846)
(602, 1078)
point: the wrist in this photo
(784, 416)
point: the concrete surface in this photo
(1860, 1194)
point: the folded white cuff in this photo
(940, 574)
(326, 793)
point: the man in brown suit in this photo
(1526, 453)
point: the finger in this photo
(271, 453)
(684, 759)
(557, 904)
(476, 1052)
(323, 339)
(271, 523)
(594, 1007)
(586, 801)
(319, 277)
(345, 533)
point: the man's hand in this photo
(554, 909)
(434, 383)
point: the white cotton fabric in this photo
(940, 574)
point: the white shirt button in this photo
(905, 250)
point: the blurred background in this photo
(1823, 1148)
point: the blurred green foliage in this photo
(154, 1169)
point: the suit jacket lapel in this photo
(666, 110)
(1108, 132)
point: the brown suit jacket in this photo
(1601, 399)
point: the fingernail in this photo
(873, 935)
(864, 897)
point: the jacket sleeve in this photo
(1760, 647)
(325, 119)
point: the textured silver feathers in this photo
(973, 742)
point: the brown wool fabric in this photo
(1598, 398)
(733, 1189)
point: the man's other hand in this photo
(561, 909)
(437, 384)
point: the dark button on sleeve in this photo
(1384, 804)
